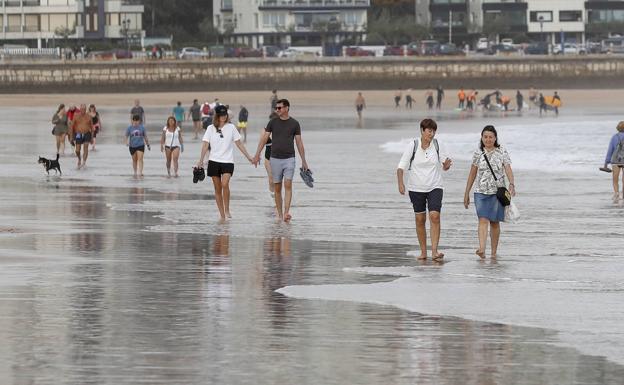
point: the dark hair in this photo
(284, 102)
(491, 129)
(179, 103)
(428, 123)
(60, 107)
(136, 118)
(175, 122)
(194, 100)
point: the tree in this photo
(395, 30)
(496, 26)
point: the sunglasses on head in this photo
(219, 132)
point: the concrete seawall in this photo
(313, 74)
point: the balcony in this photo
(604, 4)
(504, 6)
(313, 4)
(448, 5)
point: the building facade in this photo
(38, 22)
(289, 22)
(542, 20)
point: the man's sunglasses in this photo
(279, 107)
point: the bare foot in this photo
(228, 215)
(423, 257)
(437, 256)
(480, 253)
(494, 256)
(287, 217)
(176, 175)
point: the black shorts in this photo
(135, 149)
(267, 152)
(218, 169)
(171, 148)
(81, 138)
(431, 200)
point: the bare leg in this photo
(278, 200)
(196, 126)
(494, 236)
(421, 233)
(267, 166)
(85, 155)
(139, 155)
(616, 181)
(483, 231)
(63, 136)
(175, 154)
(225, 186)
(216, 181)
(58, 143)
(168, 160)
(135, 158)
(287, 199)
(78, 146)
(434, 218)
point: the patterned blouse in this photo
(498, 158)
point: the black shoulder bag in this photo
(502, 194)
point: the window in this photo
(605, 15)
(570, 16)
(541, 16)
(273, 19)
(256, 21)
(352, 18)
(31, 23)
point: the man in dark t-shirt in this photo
(138, 110)
(195, 115)
(285, 132)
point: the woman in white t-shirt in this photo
(221, 137)
(424, 165)
(171, 144)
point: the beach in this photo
(110, 279)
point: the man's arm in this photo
(301, 150)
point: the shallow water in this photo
(107, 279)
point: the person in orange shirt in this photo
(472, 100)
(461, 95)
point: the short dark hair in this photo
(284, 102)
(136, 118)
(428, 123)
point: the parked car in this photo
(450, 49)
(569, 49)
(539, 48)
(482, 44)
(290, 52)
(192, 53)
(358, 51)
(271, 50)
(429, 47)
(501, 49)
(507, 41)
(247, 52)
(217, 51)
(393, 50)
(613, 45)
(113, 54)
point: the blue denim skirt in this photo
(489, 207)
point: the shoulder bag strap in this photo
(490, 166)
(413, 154)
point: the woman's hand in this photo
(466, 200)
(512, 189)
(401, 188)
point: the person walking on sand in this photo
(461, 97)
(243, 117)
(284, 130)
(360, 104)
(408, 98)
(81, 135)
(429, 98)
(59, 120)
(97, 123)
(219, 139)
(136, 140)
(615, 157)
(273, 100)
(489, 209)
(178, 113)
(519, 100)
(194, 114)
(398, 94)
(424, 165)
(439, 97)
(171, 144)
(137, 110)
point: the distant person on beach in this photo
(489, 210)
(97, 123)
(178, 113)
(219, 140)
(423, 162)
(398, 94)
(284, 131)
(194, 114)
(136, 140)
(429, 98)
(519, 100)
(542, 104)
(615, 157)
(461, 97)
(556, 99)
(532, 96)
(243, 117)
(137, 110)
(71, 111)
(273, 100)
(81, 135)
(408, 98)
(439, 97)
(60, 129)
(472, 100)
(360, 104)
(171, 144)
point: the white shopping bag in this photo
(512, 214)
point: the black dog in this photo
(51, 164)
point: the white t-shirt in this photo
(426, 172)
(172, 139)
(222, 149)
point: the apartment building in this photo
(289, 22)
(545, 20)
(37, 22)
